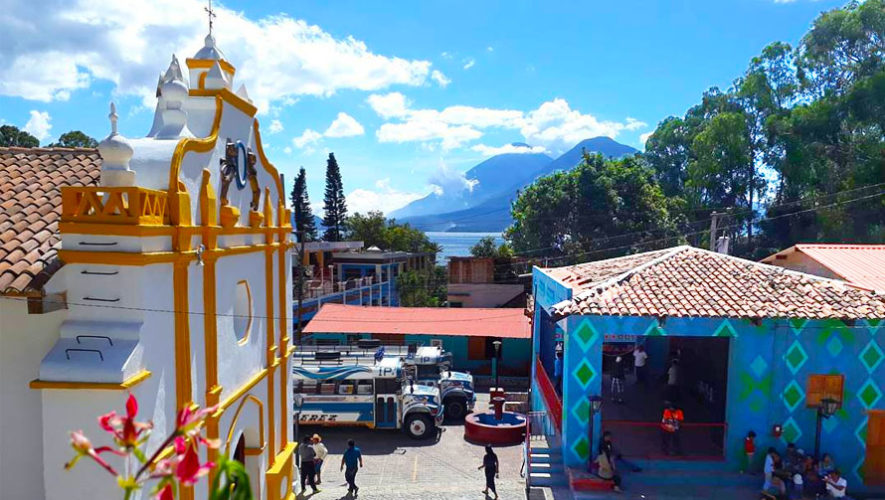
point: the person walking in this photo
(490, 464)
(619, 373)
(353, 460)
(557, 372)
(321, 451)
(307, 455)
(640, 360)
(671, 421)
(673, 381)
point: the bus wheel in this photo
(456, 408)
(419, 426)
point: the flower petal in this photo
(131, 406)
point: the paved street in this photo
(399, 467)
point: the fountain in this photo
(498, 427)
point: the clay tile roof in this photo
(690, 282)
(30, 208)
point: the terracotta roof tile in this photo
(30, 208)
(690, 282)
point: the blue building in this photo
(757, 348)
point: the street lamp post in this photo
(497, 345)
(595, 406)
(826, 409)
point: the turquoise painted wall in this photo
(768, 369)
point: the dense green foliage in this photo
(75, 139)
(10, 135)
(334, 204)
(502, 256)
(305, 224)
(793, 151)
(373, 229)
(422, 288)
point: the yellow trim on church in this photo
(101, 386)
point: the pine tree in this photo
(334, 205)
(304, 221)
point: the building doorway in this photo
(692, 372)
(874, 464)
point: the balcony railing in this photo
(127, 205)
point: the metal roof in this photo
(861, 265)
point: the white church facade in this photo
(177, 284)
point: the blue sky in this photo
(408, 95)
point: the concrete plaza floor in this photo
(399, 467)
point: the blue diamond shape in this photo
(793, 395)
(581, 411)
(871, 356)
(795, 357)
(861, 433)
(584, 374)
(758, 366)
(834, 346)
(791, 431)
(869, 394)
(585, 334)
(858, 469)
(725, 330)
(829, 424)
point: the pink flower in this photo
(126, 431)
(81, 444)
(166, 493)
(189, 422)
(189, 469)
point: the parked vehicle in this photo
(432, 366)
(338, 387)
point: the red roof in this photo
(30, 209)
(690, 282)
(470, 322)
(861, 265)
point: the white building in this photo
(177, 284)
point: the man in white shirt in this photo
(836, 485)
(640, 358)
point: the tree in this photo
(502, 256)
(334, 204)
(75, 139)
(304, 220)
(599, 204)
(11, 136)
(422, 288)
(374, 230)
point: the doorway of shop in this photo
(689, 372)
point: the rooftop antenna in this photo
(211, 14)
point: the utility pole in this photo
(714, 218)
(300, 288)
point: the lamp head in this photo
(595, 403)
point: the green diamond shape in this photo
(791, 431)
(582, 448)
(793, 395)
(725, 330)
(586, 334)
(861, 432)
(581, 411)
(655, 330)
(797, 325)
(871, 356)
(795, 357)
(869, 394)
(758, 366)
(585, 373)
(834, 346)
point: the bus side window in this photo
(345, 387)
(309, 387)
(364, 387)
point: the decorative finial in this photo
(113, 118)
(211, 14)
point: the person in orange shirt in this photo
(671, 422)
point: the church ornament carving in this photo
(235, 155)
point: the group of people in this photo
(795, 475)
(313, 452)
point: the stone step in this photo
(547, 479)
(540, 458)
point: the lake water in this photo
(458, 244)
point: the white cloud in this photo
(469, 63)
(287, 150)
(554, 126)
(486, 150)
(278, 57)
(446, 55)
(383, 197)
(644, 137)
(39, 124)
(344, 126)
(447, 180)
(307, 138)
(389, 105)
(276, 126)
(440, 78)
(490, 48)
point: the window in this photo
(242, 311)
(386, 386)
(823, 386)
(428, 371)
(476, 348)
(456, 304)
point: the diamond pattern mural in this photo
(793, 395)
(795, 357)
(871, 356)
(869, 394)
